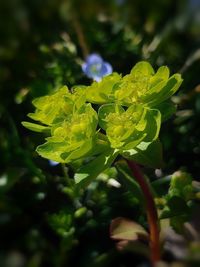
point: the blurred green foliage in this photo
(44, 221)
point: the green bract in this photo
(72, 138)
(125, 119)
(57, 106)
(142, 85)
(127, 128)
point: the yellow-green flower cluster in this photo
(126, 114)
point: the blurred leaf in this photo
(125, 229)
(8, 179)
(128, 179)
(177, 205)
(62, 223)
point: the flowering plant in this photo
(126, 119)
(90, 126)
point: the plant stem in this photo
(152, 215)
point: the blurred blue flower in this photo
(120, 2)
(95, 67)
(53, 163)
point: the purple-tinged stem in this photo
(152, 215)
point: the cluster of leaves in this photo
(130, 111)
(176, 205)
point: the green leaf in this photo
(42, 101)
(102, 92)
(101, 145)
(171, 87)
(167, 109)
(162, 74)
(63, 152)
(135, 140)
(92, 169)
(127, 178)
(82, 151)
(47, 116)
(125, 229)
(142, 68)
(146, 153)
(52, 151)
(157, 82)
(153, 118)
(35, 127)
(158, 95)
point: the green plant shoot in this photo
(116, 116)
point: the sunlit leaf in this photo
(146, 153)
(92, 169)
(35, 127)
(102, 92)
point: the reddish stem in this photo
(152, 215)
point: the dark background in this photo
(42, 47)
